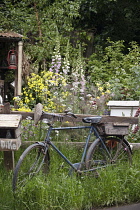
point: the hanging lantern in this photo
(12, 59)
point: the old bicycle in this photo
(109, 147)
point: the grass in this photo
(58, 191)
(114, 186)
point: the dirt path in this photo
(126, 207)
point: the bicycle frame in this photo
(76, 166)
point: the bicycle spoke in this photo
(121, 152)
(98, 156)
(32, 161)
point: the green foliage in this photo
(31, 132)
(134, 134)
(111, 18)
(120, 70)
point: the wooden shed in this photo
(11, 46)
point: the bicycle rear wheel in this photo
(119, 151)
(32, 161)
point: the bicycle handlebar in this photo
(59, 116)
(40, 114)
(51, 115)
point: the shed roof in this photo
(11, 35)
(123, 103)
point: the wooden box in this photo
(117, 128)
(10, 132)
(113, 128)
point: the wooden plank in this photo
(8, 124)
(18, 131)
(10, 117)
(10, 144)
(24, 114)
(105, 119)
(134, 146)
(117, 130)
(9, 160)
(77, 144)
(5, 109)
(116, 119)
(9, 121)
(121, 124)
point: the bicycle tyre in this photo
(32, 161)
(119, 151)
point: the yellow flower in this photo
(108, 91)
(101, 88)
(98, 85)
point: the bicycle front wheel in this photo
(33, 160)
(117, 151)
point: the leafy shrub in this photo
(47, 88)
(121, 70)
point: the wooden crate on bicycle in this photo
(112, 125)
(114, 128)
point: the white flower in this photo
(89, 95)
(28, 118)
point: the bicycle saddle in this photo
(95, 120)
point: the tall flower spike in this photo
(66, 64)
(56, 58)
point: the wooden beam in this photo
(9, 159)
(134, 146)
(24, 114)
(20, 49)
(105, 119)
(115, 119)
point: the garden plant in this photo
(72, 65)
